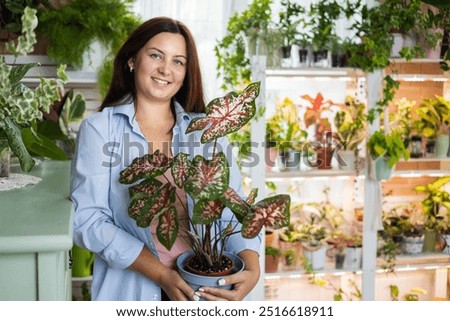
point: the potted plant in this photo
(312, 233)
(353, 250)
(206, 182)
(386, 149)
(272, 255)
(434, 206)
(434, 122)
(438, 12)
(290, 246)
(283, 129)
(245, 34)
(288, 21)
(323, 15)
(350, 125)
(321, 128)
(21, 106)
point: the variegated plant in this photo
(206, 181)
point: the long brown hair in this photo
(190, 95)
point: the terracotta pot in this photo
(324, 157)
(271, 263)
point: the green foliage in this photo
(79, 23)
(232, 51)
(283, 127)
(272, 251)
(12, 12)
(73, 27)
(350, 124)
(434, 117)
(20, 106)
(391, 146)
(288, 21)
(437, 200)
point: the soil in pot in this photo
(194, 265)
(196, 281)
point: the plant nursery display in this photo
(206, 181)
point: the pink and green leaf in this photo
(206, 212)
(272, 212)
(208, 179)
(149, 165)
(235, 203)
(147, 186)
(143, 209)
(226, 114)
(180, 168)
(167, 229)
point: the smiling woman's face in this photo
(160, 67)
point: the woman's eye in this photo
(155, 56)
(179, 62)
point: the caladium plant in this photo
(206, 181)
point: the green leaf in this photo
(77, 108)
(18, 72)
(41, 145)
(17, 145)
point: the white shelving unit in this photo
(368, 277)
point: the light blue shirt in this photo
(107, 142)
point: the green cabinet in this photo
(36, 237)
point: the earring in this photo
(131, 69)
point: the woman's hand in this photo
(168, 279)
(243, 282)
(175, 287)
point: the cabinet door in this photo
(18, 277)
(53, 276)
(43, 276)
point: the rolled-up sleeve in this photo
(94, 227)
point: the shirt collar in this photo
(127, 109)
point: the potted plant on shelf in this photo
(434, 122)
(290, 246)
(321, 128)
(283, 129)
(21, 106)
(312, 237)
(206, 182)
(438, 12)
(435, 208)
(288, 21)
(245, 36)
(272, 255)
(350, 125)
(386, 149)
(353, 250)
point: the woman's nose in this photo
(163, 67)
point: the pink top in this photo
(181, 244)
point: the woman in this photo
(155, 91)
